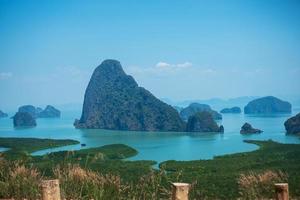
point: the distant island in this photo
(33, 111)
(231, 110)
(3, 114)
(49, 112)
(37, 112)
(193, 108)
(267, 105)
(27, 115)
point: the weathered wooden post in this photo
(282, 191)
(180, 191)
(50, 189)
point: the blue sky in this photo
(176, 49)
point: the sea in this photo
(159, 146)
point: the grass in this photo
(224, 177)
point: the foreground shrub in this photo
(259, 185)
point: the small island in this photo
(267, 105)
(203, 122)
(37, 112)
(231, 110)
(193, 108)
(248, 129)
(292, 125)
(29, 109)
(49, 112)
(24, 119)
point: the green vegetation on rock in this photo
(24, 119)
(113, 100)
(267, 105)
(203, 122)
(292, 125)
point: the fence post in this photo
(50, 190)
(282, 191)
(180, 191)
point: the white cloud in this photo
(168, 66)
(5, 75)
(167, 70)
(161, 68)
(185, 65)
(162, 65)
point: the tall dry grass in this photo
(18, 181)
(260, 185)
(154, 185)
(78, 183)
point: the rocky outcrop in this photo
(113, 100)
(231, 110)
(292, 125)
(267, 105)
(194, 108)
(3, 114)
(29, 109)
(49, 112)
(203, 122)
(248, 129)
(37, 112)
(22, 119)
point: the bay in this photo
(159, 146)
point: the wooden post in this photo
(50, 190)
(282, 191)
(180, 191)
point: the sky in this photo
(192, 49)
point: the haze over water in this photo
(160, 146)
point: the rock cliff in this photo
(113, 100)
(292, 125)
(203, 122)
(248, 129)
(49, 112)
(23, 119)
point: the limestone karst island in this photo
(149, 100)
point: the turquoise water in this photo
(156, 145)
